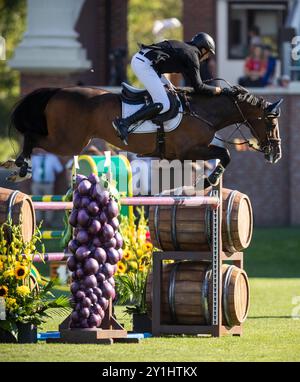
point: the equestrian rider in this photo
(169, 56)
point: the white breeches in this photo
(142, 68)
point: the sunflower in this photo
(23, 290)
(127, 254)
(3, 290)
(148, 246)
(20, 272)
(121, 267)
(145, 259)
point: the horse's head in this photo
(264, 126)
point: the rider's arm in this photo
(193, 73)
(196, 81)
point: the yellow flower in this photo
(121, 268)
(145, 259)
(10, 302)
(127, 254)
(148, 246)
(20, 272)
(133, 264)
(3, 290)
(23, 290)
(142, 268)
(8, 273)
(139, 252)
(1, 265)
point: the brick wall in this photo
(198, 16)
(102, 26)
(274, 189)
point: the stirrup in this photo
(123, 139)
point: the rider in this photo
(169, 56)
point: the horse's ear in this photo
(273, 109)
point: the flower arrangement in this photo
(25, 298)
(133, 269)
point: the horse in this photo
(64, 120)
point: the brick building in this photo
(69, 42)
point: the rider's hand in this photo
(228, 91)
(218, 90)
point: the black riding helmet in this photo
(203, 40)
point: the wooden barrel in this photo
(183, 228)
(186, 297)
(17, 206)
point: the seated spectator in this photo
(270, 63)
(254, 68)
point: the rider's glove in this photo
(228, 91)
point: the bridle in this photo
(264, 147)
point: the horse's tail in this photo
(28, 115)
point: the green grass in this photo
(274, 253)
(269, 334)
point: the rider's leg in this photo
(147, 75)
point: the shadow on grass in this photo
(267, 317)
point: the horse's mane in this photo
(242, 95)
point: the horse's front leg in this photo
(212, 152)
(223, 155)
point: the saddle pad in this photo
(148, 126)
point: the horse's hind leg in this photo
(21, 162)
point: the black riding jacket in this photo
(172, 56)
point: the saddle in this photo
(135, 96)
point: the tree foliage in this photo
(12, 25)
(141, 17)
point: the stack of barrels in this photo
(187, 285)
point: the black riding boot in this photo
(121, 125)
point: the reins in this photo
(245, 122)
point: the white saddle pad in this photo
(148, 126)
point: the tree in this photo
(12, 25)
(141, 18)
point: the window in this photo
(256, 22)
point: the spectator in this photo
(254, 68)
(254, 36)
(284, 81)
(45, 167)
(270, 63)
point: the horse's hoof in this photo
(23, 171)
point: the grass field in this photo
(270, 332)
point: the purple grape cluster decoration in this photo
(96, 248)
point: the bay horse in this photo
(63, 121)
